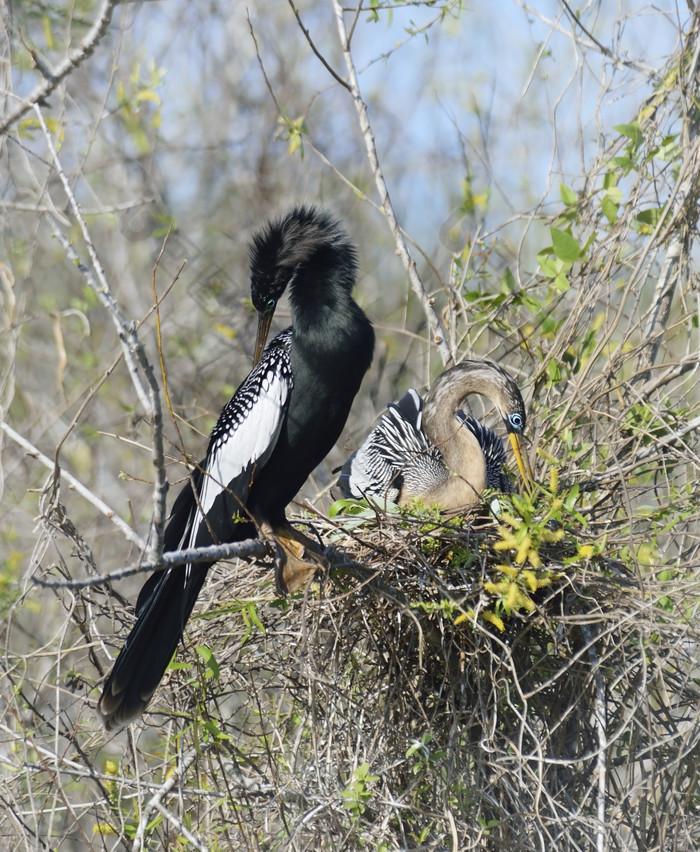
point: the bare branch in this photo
(679, 224)
(73, 59)
(155, 803)
(321, 58)
(437, 332)
(134, 353)
(253, 548)
(74, 483)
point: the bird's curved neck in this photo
(459, 447)
(464, 460)
(316, 293)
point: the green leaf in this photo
(362, 773)
(669, 149)
(624, 163)
(553, 372)
(294, 131)
(209, 661)
(609, 208)
(251, 613)
(632, 132)
(565, 246)
(610, 180)
(147, 95)
(650, 216)
(568, 196)
(508, 282)
(561, 283)
(571, 498)
(547, 263)
(589, 242)
(215, 732)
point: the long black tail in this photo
(163, 607)
(167, 597)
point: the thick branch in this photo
(253, 548)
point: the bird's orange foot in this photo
(298, 559)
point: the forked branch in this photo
(72, 60)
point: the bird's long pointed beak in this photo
(523, 463)
(264, 321)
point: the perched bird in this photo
(434, 449)
(276, 428)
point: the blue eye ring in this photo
(516, 421)
(270, 305)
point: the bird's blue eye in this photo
(516, 421)
(270, 305)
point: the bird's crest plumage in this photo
(302, 236)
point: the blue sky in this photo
(483, 89)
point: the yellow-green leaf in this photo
(568, 196)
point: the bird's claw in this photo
(297, 560)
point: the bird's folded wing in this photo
(246, 432)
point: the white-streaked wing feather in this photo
(395, 445)
(244, 437)
(247, 430)
(247, 441)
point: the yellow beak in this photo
(523, 462)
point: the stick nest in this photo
(445, 686)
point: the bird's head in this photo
(453, 387)
(305, 244)
(508, 401)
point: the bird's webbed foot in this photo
(298, 558)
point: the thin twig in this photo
(321, 58)
(180, 826)
(112, 367)
(681, 213)
(437, 332)
(600, 725)
(134, 353)
(154, 803)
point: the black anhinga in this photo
(277, 427)
(433, 450)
